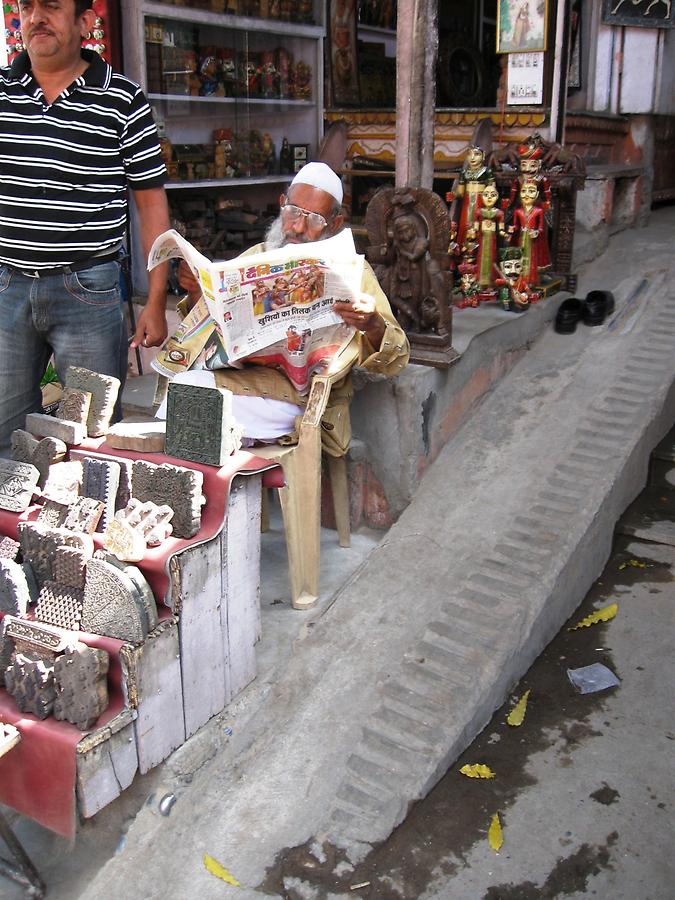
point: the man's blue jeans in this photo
(79, 318)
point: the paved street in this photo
(584, 788)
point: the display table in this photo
(200, 655)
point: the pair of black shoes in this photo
(591, 311)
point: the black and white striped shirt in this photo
(65, 167)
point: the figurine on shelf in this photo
(269, 82)
(283, 62)
(529, 230)
(488, 224)
(209, 71)
(514, 293)
(269, 153)
(285, 158)
(469, 185)
(301, 81)
(228, 68)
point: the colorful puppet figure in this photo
(488, 223)
(469, 289)
(529, 228)
(470, 184)
(514, 293)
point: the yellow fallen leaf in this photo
(495, 834)
(517, 714)
(636, 564)
(215, 868)
(600, 615)
(478, 770)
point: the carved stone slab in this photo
(112, 603)
(142, 437)
(41, 453)
(103, 389)
(14, 591)
(84, 515)
(18, 482)
(70, 567)
(36, 637)
(174, 486)
(74, 405)
(140, 582)
(6, 653)
(124, 541)
(42, 425)
(39, 545)
(53, 514)
(199, 424)
(100, 481)
(30, 680)
(60, 605)
(153, 522)
(9, 548)
(81, 686)
(63, 482)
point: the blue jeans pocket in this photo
(5, 277)
(98, 286)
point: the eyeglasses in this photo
(292, 214)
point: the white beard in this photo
(275, 238)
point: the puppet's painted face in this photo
(511, 268)
(490, 196)
(530, 167)
(475, 157)
(529, 192)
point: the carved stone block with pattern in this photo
(39, 545)
(74, 405)
(153, 521)
(173, 486)
(60, 605)
(113, 605)
(29, 679)
(81, 685)
(140, 582)
(42, 425)
(103, 389)
(100, 481)
(69, 567)
(15, 595)
(84, 515)
(199, 424)
(9, 548)
(18, 482)
(53, 514)
(63, 482)
(6, 653)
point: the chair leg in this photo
(337, 472)
(265, 510)
(301, 510)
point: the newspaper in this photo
(274, 308)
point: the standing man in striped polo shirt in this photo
(74, 138)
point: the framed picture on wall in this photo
(343, 62)
(521, 25)
(644, 13)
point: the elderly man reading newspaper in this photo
(266, 403)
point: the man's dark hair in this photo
(81, 5)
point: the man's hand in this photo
(188, 282)
(361, 314)
(151, 330)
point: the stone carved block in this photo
(69, 567)
(100, 481)
(39, 545)
(142, 437)
(41, 453)
(74, 405)
(103, 389)
(124, 542)
(15, 594)
(81, 686)
(18, 483)
(140, 582)
(84, 515)
(36, 637)
(199, 424)
(30, 680)
(53, 514)
(6, 653)
(60, 605)
(153, 521)
(173, 486)
(9, 548)
(42, 425)
(112, 603)
(63, 482)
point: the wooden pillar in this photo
(416, 51)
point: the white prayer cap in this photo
(321, 176)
